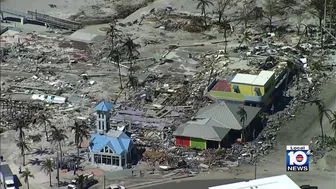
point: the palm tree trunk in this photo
(225, 38)
(46, 132)
(50, 179)
(60, 149)
(23, 157)
(204, 16)
(322, 130)
(27, 184)
(78, 146)
(119, 72)
(321, 30)
(20, 134)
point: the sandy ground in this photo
(63, 9)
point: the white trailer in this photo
(88, 182)
(7, 177)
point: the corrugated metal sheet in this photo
(182, 141)
(227, 114)
(222, 85)
(198, 143)
(206, 129)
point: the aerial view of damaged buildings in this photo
(83, 107)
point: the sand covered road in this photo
(63, 9)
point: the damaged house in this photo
(108, 146)
(247, 89)
(217, 125)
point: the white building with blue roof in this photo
(107, 146)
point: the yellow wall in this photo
(227, 95)
(243, 88)
(246, 89)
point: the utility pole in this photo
(57, 164)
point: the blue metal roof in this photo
(117, 144)
(103, 106)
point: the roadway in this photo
(194, 184)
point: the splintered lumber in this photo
(31, 88)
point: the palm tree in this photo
(333, 123)
(48, 167)
(202, 4)
(58, 136)
(224, 26)
(132, 53)
(243, 116)
(115, 56)
(23, 146)
(113, 33)
(246, 37)
(42, 118)
(20, 124)
(82, 131)
(26, 174)
(81, 179)
(322, 112)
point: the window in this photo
(104, 159)
(109, 160)
(97, 158)
(115, 160)
(236, 89)
(102, 150)
(99, 115)
(99, 126)
(123, 161)
(257, 91)
(111, 151)
(106, 149)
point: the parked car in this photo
(115, 186)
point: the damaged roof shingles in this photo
(226, 114)
(207, 129)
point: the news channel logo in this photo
(297, 158)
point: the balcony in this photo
(226, 96)
(257, 99)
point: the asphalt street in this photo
(194, 184)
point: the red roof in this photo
(222, 85)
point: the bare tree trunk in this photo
(220, 15)
(226, 42)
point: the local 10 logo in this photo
(297, 158)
